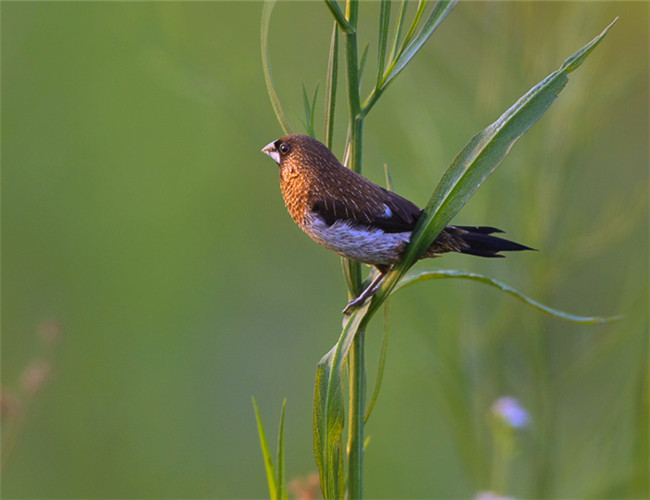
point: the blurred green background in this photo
(148, 258)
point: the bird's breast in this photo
(295, 191)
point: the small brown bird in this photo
(345, 212)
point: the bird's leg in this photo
(367, 293)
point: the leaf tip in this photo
(611, 319)
(573, 62)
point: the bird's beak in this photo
(270, 150)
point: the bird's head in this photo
(299, 152)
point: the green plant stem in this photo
(356, 361)
(356, 357)
(354, 101)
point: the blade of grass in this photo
(398, 62)
(280, 482)
(413, 277)
(384, 21)
(268, 462)
(487, 149)
(266, 66)
(388, 178)
(478, 160)
(310, 109)
(330, 88)
(412, 29)
(380, 368)
(305, 102)
(440, 11)
(399, 26)
(362, 64)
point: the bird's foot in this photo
(366, 294)
(354, 303)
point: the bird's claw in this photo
(366, 294)
(354, 304)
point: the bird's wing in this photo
(377, 208)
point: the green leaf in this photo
(484, 153)
(280, 482)
(410, 46)
(388, 178)
(310, 110)
(266, 65)
(330, 89)
(276, 480)
(418, 276)
(380, 368)
(399, 26)
(573, 62)
(422, 4)
(384, 21)
(268, 462)
(440, 11)
(329, 409)
(362, 64)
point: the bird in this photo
(358, 219)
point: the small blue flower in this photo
(511, 411)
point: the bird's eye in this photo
(284, 148)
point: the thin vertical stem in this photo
(353, 269)
(356, 357)
(357, 410)
(354, 101)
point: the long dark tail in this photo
(473, 240)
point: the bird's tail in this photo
(472, 240)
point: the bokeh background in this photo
(153, 281)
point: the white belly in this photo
(371, 246)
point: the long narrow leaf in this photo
(418, 276)
(329, 412)
(268, 461)
(362, 64)
(310, 110)
(485, 152)
(384, 22)
(305, 103)
(270, 88)
(398, 61)
(422, 4)
(399, 26)
(440, 11)
(388, 178)
(331, 84)
(280, 482)
(477, 161)
(380, 368)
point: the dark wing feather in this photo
(390, 212)
(404, 214)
